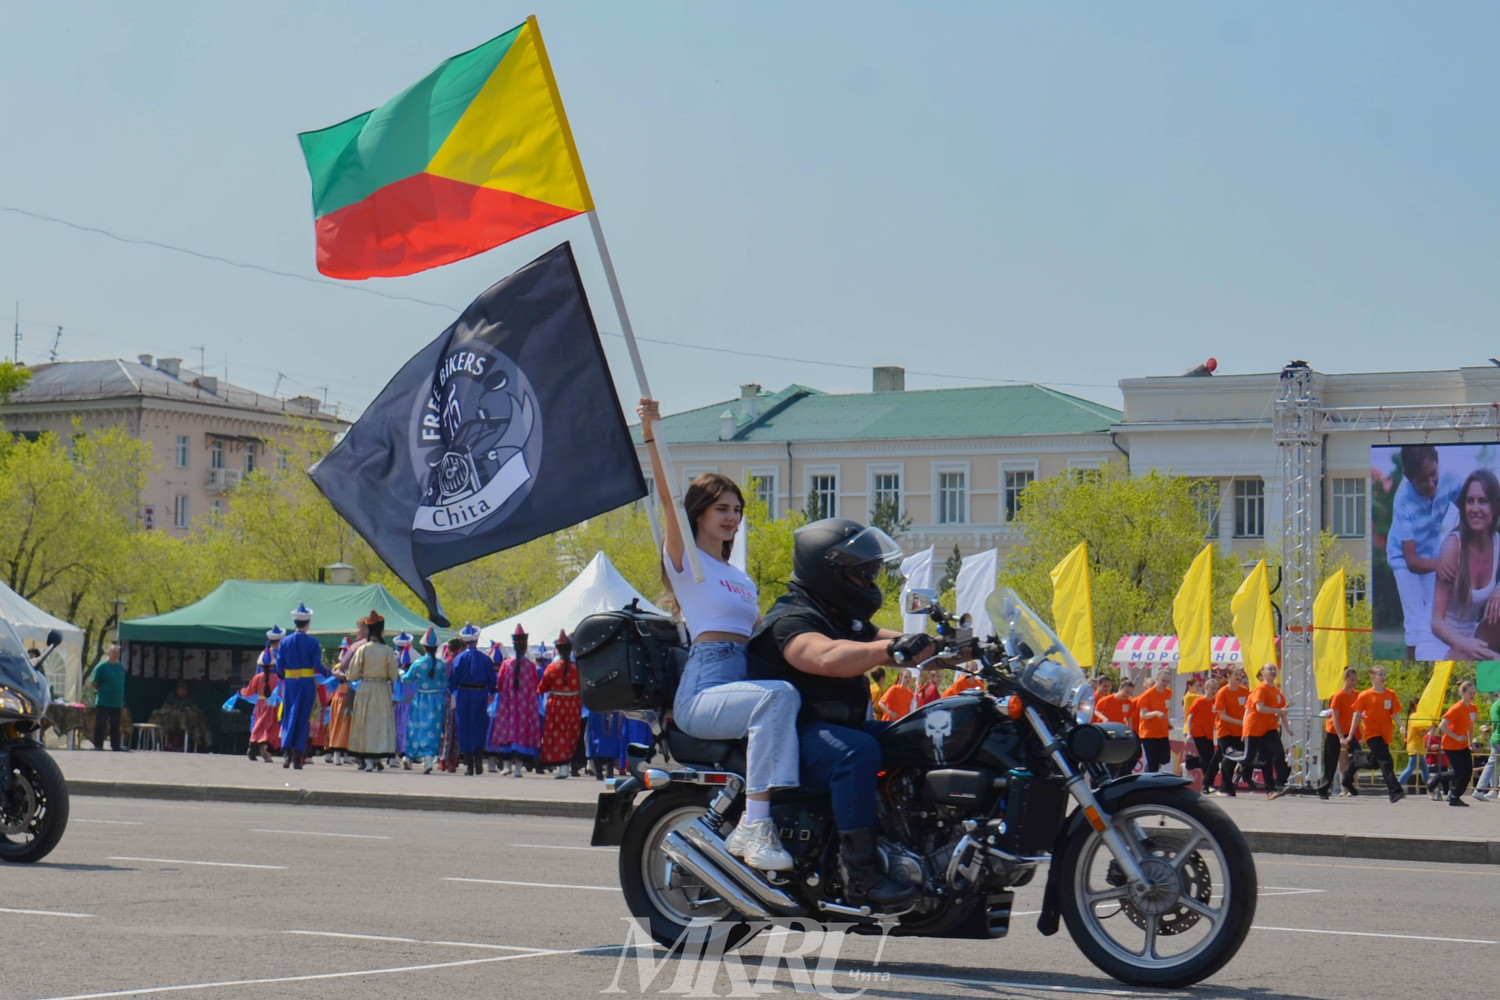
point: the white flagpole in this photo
(674, 508)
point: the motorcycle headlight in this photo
(13, 703)
(1083, 704)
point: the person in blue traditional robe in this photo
(602, 739)
(427, 680)
(472, 681)
(299, 661)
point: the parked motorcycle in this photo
(33, 794)
(1155, 883)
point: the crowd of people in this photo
(419, 702)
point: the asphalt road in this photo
(220, 901)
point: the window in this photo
(1354, 590)
(282, 462)
(250, 458)
(1348, 520)
(218, 510)
(763, 488)
(182, 451)
(822, 496)
(1016, 481)
(885, 488)
(216, 455)
(1249, 508)
(1205, 493)
(180, 512)
(951, 509)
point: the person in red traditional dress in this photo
(564, 720)
(265, 727)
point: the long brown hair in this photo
(1486, 479)
(702, 494)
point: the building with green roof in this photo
(955, 460)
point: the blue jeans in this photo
(715, 702)
(843, 761)
(1412, 762)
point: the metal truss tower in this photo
(1300, 424)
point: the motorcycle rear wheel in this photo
(34, 810)
(667, 898)
(1198, 905)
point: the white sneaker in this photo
(1484, 796)
(759, 846)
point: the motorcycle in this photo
(1154, 882)
(33, 794)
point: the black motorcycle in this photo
(1156, 884)
(33, 794)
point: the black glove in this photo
(908, 647)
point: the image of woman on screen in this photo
(1466, 602)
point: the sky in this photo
(1063, 193)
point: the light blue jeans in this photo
(715, 702)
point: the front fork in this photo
(1093, 811)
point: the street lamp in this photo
(119, 604)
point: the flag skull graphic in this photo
(479, 437)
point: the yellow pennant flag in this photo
(1430, 706)
(1330, 642)
(1193, 612)
(1073, 604)
(1253, 625)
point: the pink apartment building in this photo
(205, 433)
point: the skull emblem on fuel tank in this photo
(939, 724)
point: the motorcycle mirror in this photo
(54, 638)
(919, 601)
(965, 620)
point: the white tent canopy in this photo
(599, 587)
(65, 668)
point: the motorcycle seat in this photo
(723, 755)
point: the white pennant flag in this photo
(737, 552)
(976, 581)
(917, 569)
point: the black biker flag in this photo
(504, 428)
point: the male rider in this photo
(820, 638)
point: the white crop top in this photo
(726, 600)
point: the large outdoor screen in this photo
(1435, 551)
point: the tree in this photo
(1142, 533)
(12, 377)
(768, 546)
(888, 516)
(955, 562)
(812, 508)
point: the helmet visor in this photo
(868, 546)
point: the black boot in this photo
(864, 882)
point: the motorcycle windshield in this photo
(16, 671)
(1047, 669)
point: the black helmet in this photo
(838, 561)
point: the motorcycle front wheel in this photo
(669, 899)
(1195, 908)
(34, 808)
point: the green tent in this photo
(239, 612)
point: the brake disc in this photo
(18, 807)
(1194, 881)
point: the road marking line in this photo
(315, 833)
(1403, 937)
(1286, 890)
(1261, 860)
(533, 885)
(406, 940)
(111, 822)
(568, 847)
(179, 861)
(147, 990)
(1001, 984)
(44, 913)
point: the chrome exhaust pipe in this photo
(700, 836)
(685, 854)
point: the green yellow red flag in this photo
(1192, 614)
(1072, 604)
(473, 155)
(1254, 626)
(1430, 706)
(1330, 641)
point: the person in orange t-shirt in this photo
(1200, 729)
(1457, 730)
(1338, 736)
(1132, 719)
(1376, 714)
(962, 682)
(1229, 712)
(1265, 710)
(1107, 706)
(1153, 726)
(897, 701)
